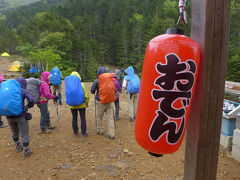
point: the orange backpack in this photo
(106, 88)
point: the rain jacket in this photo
(85, 93)
(95, 86)
(130, 72)
(117, 86)
(44, 91)
(1, 79)
(25, 94)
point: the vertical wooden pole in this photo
(210, 29)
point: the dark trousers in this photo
(45, 116)
(116, 102)
(75, 121)
(19, 126)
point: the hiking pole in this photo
(114, 119)
(58, 119)
(95, 102)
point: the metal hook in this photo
(182, 11)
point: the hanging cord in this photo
(182, 11)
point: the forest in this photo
(80, 35)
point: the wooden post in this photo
(210, 29)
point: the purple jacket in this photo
(117, 85)
(25, 94)
(44, 91)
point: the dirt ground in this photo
(59, 155)
(5, 65)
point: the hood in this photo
(45, 75)
(22, 81)
(1, 78)
(76, 74)
(101, 70)
(130, 71)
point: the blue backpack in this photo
(74, 91)
(10, 98)
(133, 84)
(56, 76)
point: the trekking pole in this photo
(114, 119)
(95, 102)
(56, 106)
(58, 119)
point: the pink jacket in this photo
(44, 91)
(117, 86)
(1, 79)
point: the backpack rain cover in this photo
(33, 87)
(106, 88)
(10, 98)
(133, 84)
(56, 76)
(74, 91)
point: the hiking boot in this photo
(84, 135)
(3, 125)
(117, 118)
(19, 147)
(111, 137)
(46, 131)
(75, 135)
(51, 126)
(60, 102)
(27, 153)
(100, 132)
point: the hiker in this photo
(116, 102)
(131, 84)
(81, 107)
(104, 100)
(2, 125)
(45, 95)
(120, 76)
(19, 123)
(56, 82)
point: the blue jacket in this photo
(25, 94)
(130, 73)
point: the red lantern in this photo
(169, 76)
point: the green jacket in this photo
(85, 92)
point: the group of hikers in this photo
(106, 89)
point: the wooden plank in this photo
(210, 29)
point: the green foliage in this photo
(233, 64)
(45, 56)
(68, 71)
(169, 8)
(7, 4)
(26, 49)
(80, 35)
(56, 41)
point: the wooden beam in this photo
(210, 29)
